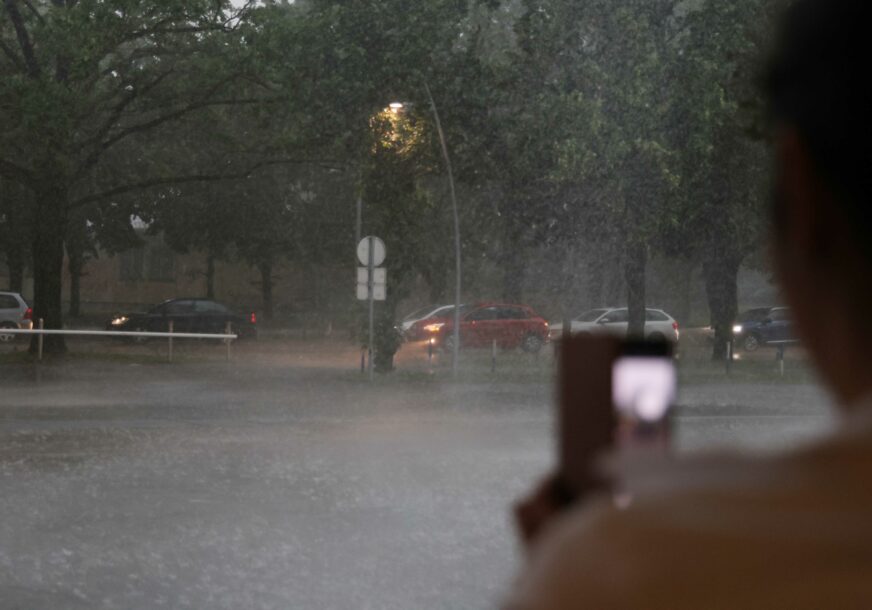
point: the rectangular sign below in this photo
(379, 292)
(379, 275)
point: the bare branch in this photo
(10, 53)
(176, 114)
(173, 180)
(23, 37)
(13, 171)
(33, 10)
(114, 115)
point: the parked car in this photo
(659, 325)
(511, 326)
(413, 326)
(763, 326)
(421, 314)
(187, 316)
(14, 313)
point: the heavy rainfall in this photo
(336, 432)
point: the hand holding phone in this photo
(614, 395)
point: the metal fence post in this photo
(228, 340)
(40, 339)
(780, 357)
(170, 343)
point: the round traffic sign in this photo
(378, 251)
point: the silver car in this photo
(14, 313)
(658, 324)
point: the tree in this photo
(724, 167)
(15, 227)
(83, 79)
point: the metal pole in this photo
(457, 249)
(370, 286)
(362, 360)
(430, 353)
(39, 341)
(170, 343)
(781, 359)
(494, 356)
(359, 222)
(229, 341)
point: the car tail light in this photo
(253, 318)
(675, 326)
(28, 314)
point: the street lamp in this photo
(396, 108)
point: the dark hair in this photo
(817, 82)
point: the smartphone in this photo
(614, 395)
(644, 385)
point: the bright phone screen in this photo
(643, 387)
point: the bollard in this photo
(170, 343)
(494, 356)
(780, 356)
(228, 340)
(729, 362)
(39, 340)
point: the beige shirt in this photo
(791, 532)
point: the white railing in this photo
(227, 336)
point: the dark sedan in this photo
(764, 326)
(187, 316)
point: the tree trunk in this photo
(15, 263)
(437, 281)
(634, 272)
(596, 281)
(722, 292)
(387, 340)
(514, 262)
(266, 289)
(77, 241)
(75, 265)
(210, 276)
(48, 265)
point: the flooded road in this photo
(231, 485)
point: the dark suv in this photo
(763, 326)
(187, 316)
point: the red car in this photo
(511, 326)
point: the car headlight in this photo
(434, 328)
(737, 329)
(119, 320)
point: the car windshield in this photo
(590, 316)
(423, 313)
(251, 220)
(755, 315)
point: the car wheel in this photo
(448, 343)
(656, 336)
(7, 337)
(751, 343)
(532, 344)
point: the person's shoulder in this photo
(712, 529)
